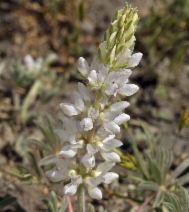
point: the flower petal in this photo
(54, 175)
(93, 78)
(92, 113)
(68, 152)
(135, 59)
(104, 167)
(70, 189)
(95, 181)
(83, 66)
(102, 74)
(95, 193)
(119, 106)
(84, 92)
(121, 118)
(86, 124)
(88, 161)
(62, 165)
(111, 127)
(128, 89)
(110, 177)
(110, 156)
(123, 57)
(111, 144)
(46, 160)
(91, 149)
(68, 109)
(62, 134)
(78, 101)
(111, 89)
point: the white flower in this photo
(86, 124)
(101, 176)
(69, 151)
(114, 117)
(78, 99)
(92, 113)
(135, 59)
(104, 145)
(62, 173)
(83, 66)
(98, 74)
(116, 82)
(65, 171)
(69, 132)
(71, 188)
(33, 65)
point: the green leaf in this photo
(34, 164)
(45, 133)
(169, 207)
(138, 179)
(155, 169)
(39, 145)
(91, 208)
(101, 209)
(140, 160)
(158, 199)
(149, 140)
(148, 185)
(6, 202)
(180, 168)
(184, 179)
(174, 200)
(54, 201)
(63, 204)
(49, 205)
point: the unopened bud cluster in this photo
(90, 126)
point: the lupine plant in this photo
(90, 126)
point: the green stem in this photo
(29, 99)
(97, 101)
(81, 198)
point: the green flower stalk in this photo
(119, 40)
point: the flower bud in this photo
(118, 39)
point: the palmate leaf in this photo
(34, 164)
(158, 199)
(164, 159)
(180, 168)
(174, 200)
(140, 161)
(46, 134)
(184, 179)
(148, 185)
(39, 145)
(184, 198)
(154, 168)
(177, 201)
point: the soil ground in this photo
(159, 116)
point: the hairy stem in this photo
(97, 101)
(81, 198)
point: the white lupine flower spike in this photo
(91, 122)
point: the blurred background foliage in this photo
(40, 42)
